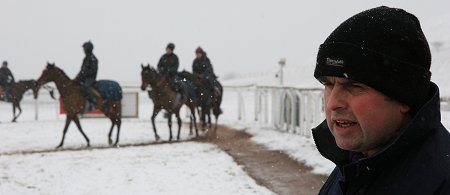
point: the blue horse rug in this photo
(109, 89)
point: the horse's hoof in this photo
(110, 142)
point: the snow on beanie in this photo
(383, 48)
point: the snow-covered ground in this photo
(184, 168)
(177, 168)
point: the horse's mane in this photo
(58, 69)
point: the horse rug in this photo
(109, 89)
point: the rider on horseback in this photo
(6, 78)
(203, 68)
(88, 73)
(168, 66)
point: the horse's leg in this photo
(118, 123)
(203, 118)
(177, 114)
(77, 122)
(14, 106)
(20, 111)
(14, 112)
(110, 131)
(215, 126)
(192, 108)
(155, 112)
(209, 118)
(169, 123)
(190, 125)
(66, 127)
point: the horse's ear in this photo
(50, 65)
(142, 65)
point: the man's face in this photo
(168, 50)
(198, 55)
(361, 118)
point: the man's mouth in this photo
(342, 123)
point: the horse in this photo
(205, 97)
(74, 102)
(16, 92)
(163, 97)
(209, 100)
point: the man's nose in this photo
(336, 99)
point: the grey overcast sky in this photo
(239, 35)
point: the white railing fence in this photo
(289, 109)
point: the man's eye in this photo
(357, 88)
(357, 85)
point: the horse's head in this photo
(148, 76)
(47, 75)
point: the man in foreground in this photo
(382, 127)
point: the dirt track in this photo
(273, 169)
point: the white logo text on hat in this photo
(335, 62)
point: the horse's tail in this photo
(218, 94)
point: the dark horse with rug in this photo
(207, 99)
(108, 99)
(163, 97)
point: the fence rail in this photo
(290, 109)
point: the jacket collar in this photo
(426, 120)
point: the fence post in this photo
(257, 104)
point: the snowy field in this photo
(184, 167)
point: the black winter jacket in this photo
(417, 162)
(88, 72)
(202, 66)
(6, 76)
(168, 65)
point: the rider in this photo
(168, 66)
(6, 78)
(203, 68)
(88, 73)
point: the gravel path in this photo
(273, 169)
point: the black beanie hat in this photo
(171, 46)
(383, 48)
(88, 46)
